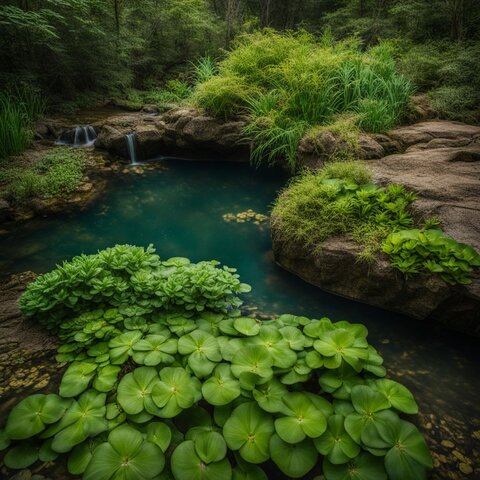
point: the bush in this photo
(290, 82)
(56, 173)
(191, 390)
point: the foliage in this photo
(128, 282)
(290, 82)
(429, 250)
(448, 72)
(338, 199)
(19, 108)
(205, 393)
(56, 173)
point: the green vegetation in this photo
(166, 376)
(413, 251)
(290, 82)
(341, 200)
(56, 173)
(19, 108)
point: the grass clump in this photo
(55, 174)
(291, 82)
(19, 108)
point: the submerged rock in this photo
(440, 161)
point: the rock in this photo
(421, 109)
(442, 165)
(369, 148)
(181, 130)
(22, 475)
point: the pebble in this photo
(448, 444)
(465, 468)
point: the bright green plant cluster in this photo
(56, 173)
(135, 280)
(290, 82)
(202, 394)
(430, 250)
(340, 199)
(19, 108)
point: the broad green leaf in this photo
(222, 387)
(269, 396)
(159, 434)
(249, 430)
(21, 456)
(210, 447)
(134, 392)
(246, 326)
(294, 460)
(398, 395)
(363, 467)
(253, 359)
(76, 379)
(106, 378)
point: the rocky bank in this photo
(438, 160)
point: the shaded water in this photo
(180, 210)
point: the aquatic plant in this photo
(202, 393)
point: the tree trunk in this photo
(117, 15)
(457, 11)
(265, 8)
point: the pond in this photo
(180, 207)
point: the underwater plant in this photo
(210, 394)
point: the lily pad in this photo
(155, 350)
(222, 387)
(294, 460)
(134, 392)
(363, 467)
(77, 378)
(21, 456)
(33, 414)
(126, 455)
(246, 326)
(249, 430)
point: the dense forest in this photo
(327, 149)
(76, 49)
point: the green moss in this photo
(55, 174)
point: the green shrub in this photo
(429, 250)
(196, 393)
(224, 96)
(290, 82)
(56, 173)
(204, 69)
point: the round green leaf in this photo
(210, 447)
(21, 456)
(363, 467)
(246, 326)
(294, 460)
(222, 388)
(135, 389)
(159, 434)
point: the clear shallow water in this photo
(179, 210)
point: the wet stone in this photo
(465, 468)
(448, 444)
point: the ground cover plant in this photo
(288, 83)
(56, 173)
(167, 379)
(341, 199)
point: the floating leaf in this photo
(121, 347)
(187, 465)
(249, 430)
(398, 395)
(175, 392)
(269, 396)
(221, 388)
(336, 444)
(155, 350)
(159, 434)
(294, 460)
(21, 456)
(81, 455)
(302, 419)
(278, 348)
(106, 378)
(203, 352)
(246, 326)
(33, 414)
(253, 359)
(134, 392)
(126, 455)
(210, 447)
(77, 378)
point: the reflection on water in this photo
(180, 210)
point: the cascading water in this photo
(132, 148)
(82, 136)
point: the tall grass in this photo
(290, 82)
(204, 69)
(19, 108)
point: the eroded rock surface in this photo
(180, 130)
(440, 161)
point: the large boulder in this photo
(178, 131)
(441, 163)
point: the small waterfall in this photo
(132, 148)
(83, 136)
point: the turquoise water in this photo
(180, 210)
